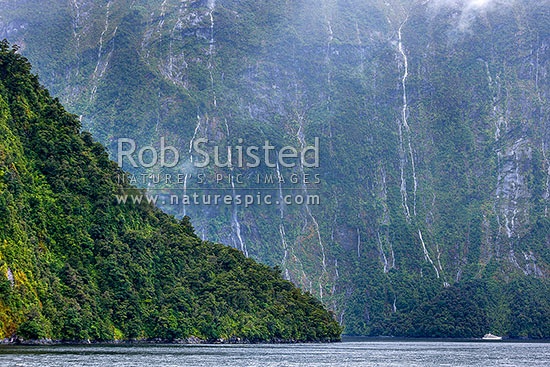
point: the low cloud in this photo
(469, 9)
(470, 4)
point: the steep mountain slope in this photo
(433, 118)
(75, 265)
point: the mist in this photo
(470, 9)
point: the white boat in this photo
(492, 337)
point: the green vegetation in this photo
(517, 309)
(477, 108)
(74, 265)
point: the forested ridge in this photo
(76, 266)
(433, 120)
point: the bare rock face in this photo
(512, 193)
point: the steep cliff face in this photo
(433, 118)
(74, 265)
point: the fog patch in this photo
(469, 10)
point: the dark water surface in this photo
(351, 352)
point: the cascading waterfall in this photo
(405, 128)
(185, 193)
(235, 221)
(186, 175)
(235, 224)
(383, 196)
(426, 254)
(197, 127)
(105, 65)
(95, 76)
(329, 51)
(301, 138)
(76, 35)
(333, 290)
(282, 231)
(383, 257)
(147, 35)
(211, 49)
(76, 20)
(511, 222)
(494, 85)
(403, 186)
(107, 14)
(501, 122)
(404, 119)
(445, 284)
(402, 154)
(285, 248)
(176, 70)
(211, 4)
(162, 14)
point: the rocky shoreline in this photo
(189, 340)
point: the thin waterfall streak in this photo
(235, 224)
(426, 253)
(76, 35)
(404, 110)
(211, 49)
(383, 257)
(304, 188)
(186, 175)
(95, 77)
(282, 231)
(301, 138)
(445, 284)
(197, 127)
(403, 187)
(235, 220)
(162, 14)
(107, 14)
(185, 193)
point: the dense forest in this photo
(76, 266)
(434, 123)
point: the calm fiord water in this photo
(351, 352)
